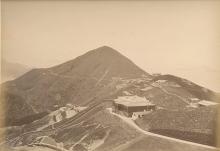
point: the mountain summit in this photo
(103, 61)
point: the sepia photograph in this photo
(111, 75)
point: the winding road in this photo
(130, 122)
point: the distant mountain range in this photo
(11, 71)
(91, 80)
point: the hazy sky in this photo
(180, 38)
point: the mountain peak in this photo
(105, 50)
(105, 47)
(99, 60)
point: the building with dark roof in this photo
(132, 105)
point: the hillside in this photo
(178, 114)
(81, 132)
(84, 132)
(196, 125)
(166, 91)
(194, 89)
(78, 81)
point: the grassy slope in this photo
(149, 143)
(197, 125)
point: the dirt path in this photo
(134, 125)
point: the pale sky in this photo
(180, 38)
